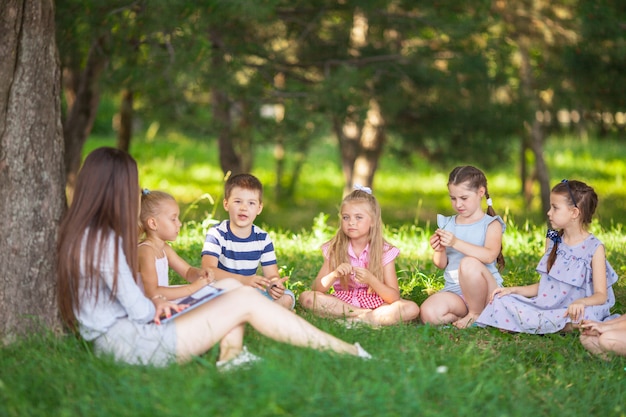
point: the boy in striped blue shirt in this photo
(235, 247)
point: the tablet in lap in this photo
(196, 299)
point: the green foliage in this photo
(446, 74)
(410, 190)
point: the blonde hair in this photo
(151, 205)
(338, 245)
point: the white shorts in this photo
(139, 344)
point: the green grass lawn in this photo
(487, 373)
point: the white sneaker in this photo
(362, 353)
(241, 361)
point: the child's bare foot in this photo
(465, 322)
(362, 320)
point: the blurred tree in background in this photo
(482, 82)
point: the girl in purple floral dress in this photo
(576, 278)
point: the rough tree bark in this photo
(32, 180)
(361, 145)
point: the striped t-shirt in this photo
(236, 255)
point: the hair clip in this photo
(145, 191)
(362, 188)
(490, 202)
(571, 194)
(554, 236)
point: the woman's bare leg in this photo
(198, 330)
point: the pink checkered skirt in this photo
(360, 298)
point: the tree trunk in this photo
(125, 132)
(242, 133)
(360, 144)
(348, 134)
(82, 91)
(360, 141)
(537, 137)
(534, 128)
(229, 160)
(372, 141)
(32, 179)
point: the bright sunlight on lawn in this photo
(416, 371)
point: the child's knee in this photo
(288, 300)
(410, 311)
(429, 316)
(469, 265)
(307, 299)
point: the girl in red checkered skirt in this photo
(359, 266)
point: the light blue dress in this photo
(569, 279)
(473, 233)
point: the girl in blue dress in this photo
(575, 277)
(468, 246)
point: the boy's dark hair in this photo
(245, 181)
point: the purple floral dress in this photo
(569, 280)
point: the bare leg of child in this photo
(476, 284)
(285, 301)
(442, 308)
(389, 314)
(591, 343)
(231, 344)
(613, 341)
(326, 305)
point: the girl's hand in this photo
(501, 292)
(164, 308)
(344, 269)
(363, 275)
(435, 243)
(277, 287)
(446, 239)
(576, 312)
(199, 284)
